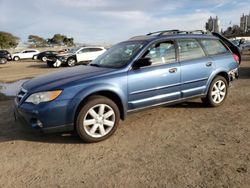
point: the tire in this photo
(16, 58)
(71, 62)
(34, 57)
(3, 60)
(91, 124)
(44, 58)
(217, 92)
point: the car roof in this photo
(152, 38)
(173, 34)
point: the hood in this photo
(64, 55)
(59, 79)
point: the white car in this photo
(75, 55)
(25, 54)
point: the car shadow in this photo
(39, 65)
(15, 131)
(244, 73)
(188, 104)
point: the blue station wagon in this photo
(159, 68)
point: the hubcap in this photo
(99, 120)
(218, 91)
(71, 62)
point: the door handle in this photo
(209, 64)
(172, 70)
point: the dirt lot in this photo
(185, 145)
(16, 70)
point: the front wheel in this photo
(71, 62)
(98, 119)
(217, 92)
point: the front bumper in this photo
(47, 117)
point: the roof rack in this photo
(173, 31)
(176, 31)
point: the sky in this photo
(112, 21)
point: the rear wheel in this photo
(34, 57)
(217, 92)
(44, 58)
(16, 58)
(98, 119)
(3, 60)
(71, 62)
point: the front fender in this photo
(87, 91)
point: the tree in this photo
(7, 40)
(59, 39)
(37, 41)
(234, 31)
(68, 41)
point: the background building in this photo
(213, 24)
(245, 22)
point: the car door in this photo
(31, 53)
(82, 54)
(196, 67)
(157, 83)
(94, 53)
(24, 54)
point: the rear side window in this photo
(213, 47)
(95, 49)
(189, 49)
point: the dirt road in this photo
(186, 145)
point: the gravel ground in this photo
(184, 145)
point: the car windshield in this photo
(73, 50)
(119, 55)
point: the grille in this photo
(21, 94)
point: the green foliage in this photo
(59, 39)
(37, 41)
(7, 40)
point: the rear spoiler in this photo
(229, 44)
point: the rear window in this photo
(189, 49)
(213, 47)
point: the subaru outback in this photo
(160, 68)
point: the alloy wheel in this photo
(99, 120)
(218, 91)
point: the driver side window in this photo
(161, 53)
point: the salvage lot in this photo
(184, 145)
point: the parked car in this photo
(43, 55)
(25, 54)
(242, 44)
(74, 56)
(156, 69)
(5, 56)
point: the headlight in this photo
(47, 96)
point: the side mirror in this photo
(142, 62)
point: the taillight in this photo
(236, 58)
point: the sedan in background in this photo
(43, 55)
